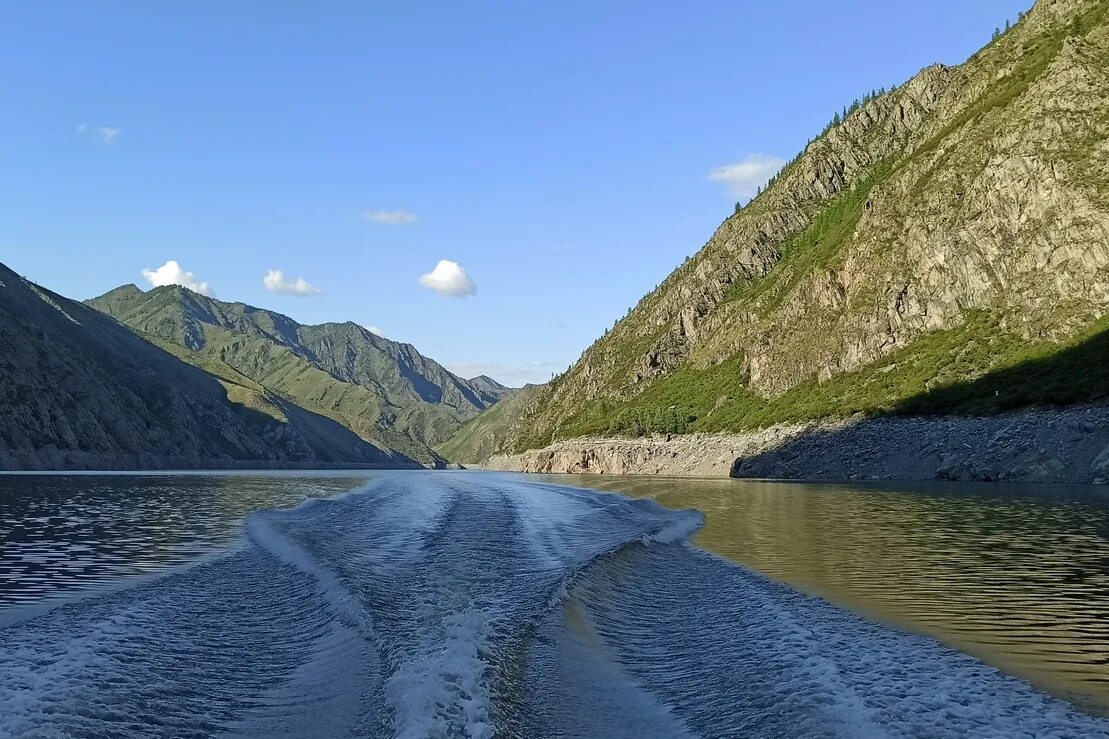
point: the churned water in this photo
(464, 605)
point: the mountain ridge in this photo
(80, 390)
(385, 391)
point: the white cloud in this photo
(106, 135)
(275, 282)
(374, 330)
(449, 278)
(391, 217)
(513, 375)
(171, 273)
(745, 177)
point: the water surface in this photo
(423, 604)
(1017, 575)
(65, 533)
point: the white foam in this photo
(684, 525)
(441, 691)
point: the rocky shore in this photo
(1051, 445)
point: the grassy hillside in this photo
(977, 368)
(384, 391)
(478, 439)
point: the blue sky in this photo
(561, 155)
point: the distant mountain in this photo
(80, 390)
(954, 227)
(490, 386)
(382, 390)
(480, 437)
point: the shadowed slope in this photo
(81, 390)
(1032, 442)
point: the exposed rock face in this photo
(984, 186)
(1057, 446)
(79, 390)
(695, 455)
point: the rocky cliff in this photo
(969, 191)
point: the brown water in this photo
(1017, 576)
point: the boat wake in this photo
(440, 605)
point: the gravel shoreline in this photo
(1069, 445)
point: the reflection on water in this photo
(61, 533)
(1015, 575)
(449, 604)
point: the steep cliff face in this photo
(385, 391)
(983, 187)
(79, 390)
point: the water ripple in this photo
(1016, 575)
(457, 605)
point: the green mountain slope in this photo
(479, 438)
(384, 391)
(937, 232)
(79, 390)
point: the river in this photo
(428, 604)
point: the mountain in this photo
(488, 385)
(384, 391)
(479, 438)
(80, 390)
(953, 227)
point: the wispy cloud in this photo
(275, 282)
(106, 135)
(171, 273)
(449, 278)
(564, 247)
(745, 177)
(513, 375)
(391, 217)
(374, 330)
